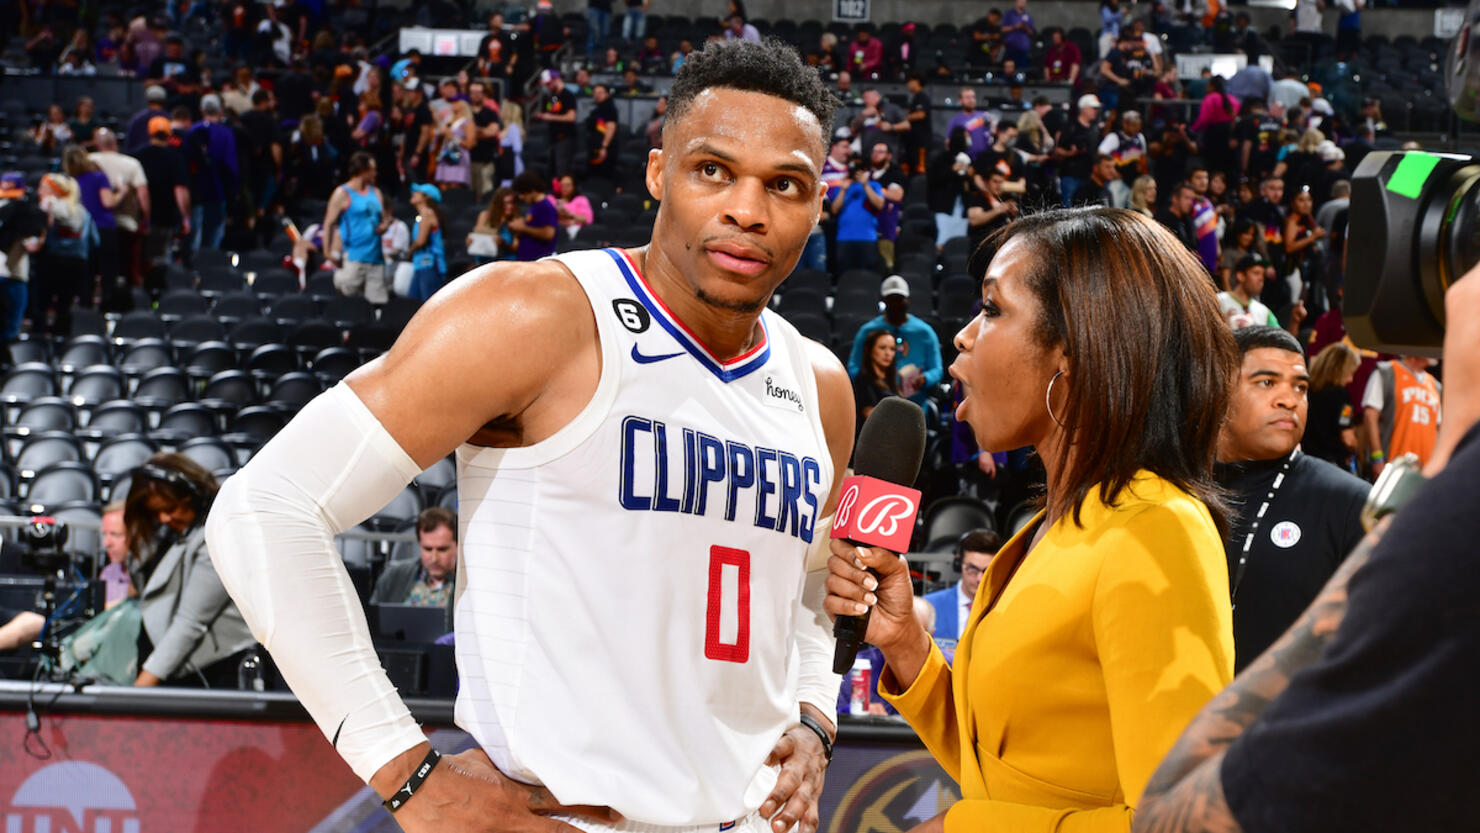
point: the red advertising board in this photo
(110, 773)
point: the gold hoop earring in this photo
(1048, 398)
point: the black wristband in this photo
(812, 723)
(408, 789)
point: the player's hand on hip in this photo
(803, 764)
(466, 793)
(851, 590)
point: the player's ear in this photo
(655, 162)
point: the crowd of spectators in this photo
(267, 128)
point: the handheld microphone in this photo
(876, 506)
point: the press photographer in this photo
(1361, 717)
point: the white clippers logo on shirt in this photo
(1285, 534)
(882, 514)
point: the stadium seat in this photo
(398, 312)
(218, 282)
(237, 306)
(30, 350)
(229, 390)
(210, 452)
(811, 279)
(45, 448)
(291, 391)
(136, 325)
(210, 357)
(83, 351)
(178, 304)
(311, 337)
(258, 421)
(251, 333)
(63, 481)
(210, 258)
(288, 310)
(112, 419)
(435, 478)
(402, 508)
(26, 382)
(83, 519)
(185, 421)
(162, 388)
(803, 302)
(95, 385)
(275, 283)
(87, 321)
(948, 518)
(447, 498)
(320, 287)
(144, 355)
(121, 455)
(334, 363)
(269, 361)
(811, 325)
(345, 311)
(195, 330)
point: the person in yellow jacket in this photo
(1104, 625)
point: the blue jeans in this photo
(598, 26)
(424, 283)
(207, 225)
(13, 298)
(634, 25)
(814, 256)
(1067, 186)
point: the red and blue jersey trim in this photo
(727, 371)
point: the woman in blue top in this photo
(428, 258)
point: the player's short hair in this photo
(434, 518)
(1264, 337)
(771, 67)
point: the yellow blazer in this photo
(1078, 671)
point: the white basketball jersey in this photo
(628, 587)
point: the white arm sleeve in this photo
(271, 536)
(816, 683)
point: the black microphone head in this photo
(892, 442)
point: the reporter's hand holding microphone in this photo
(868, 584)
(889, 600)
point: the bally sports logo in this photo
(876, 512)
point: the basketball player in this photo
(646, 477)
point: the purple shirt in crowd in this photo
(541, 214)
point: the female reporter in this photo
(1103, 626)
(192, 632)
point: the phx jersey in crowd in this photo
(629, 586)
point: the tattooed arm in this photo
(1186, 793)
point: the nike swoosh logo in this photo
(642, 358)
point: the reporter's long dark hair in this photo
(1151, 363)
(141, 524)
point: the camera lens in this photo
(1414, 231)
(1460, 233)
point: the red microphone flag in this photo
(877, 513)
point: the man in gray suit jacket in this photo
(428, 581)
